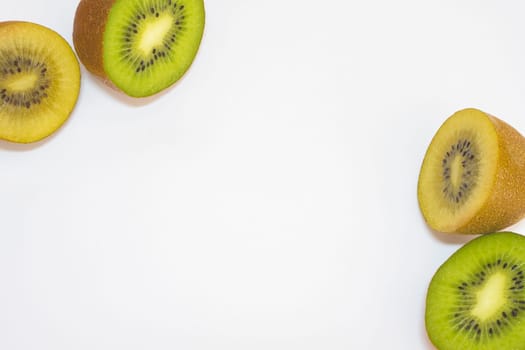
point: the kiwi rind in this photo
(457, 288)
(88, 31)
(501, 200)
(97, 45)
(39, 81)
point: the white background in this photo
(267, 200)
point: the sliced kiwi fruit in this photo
(141, 47)
(39, 81)
(472, 177)
(476, 299)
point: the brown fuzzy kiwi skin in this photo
(88, 34)
(506, 203)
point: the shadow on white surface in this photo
(23, 147)
(452, 238)
(118, 95)
(428, 344)
(115, 93)
(20, 147)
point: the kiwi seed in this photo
(460, 170)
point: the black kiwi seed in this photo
(17, 65)
(470, 325)
(134, 26)
(469, 170)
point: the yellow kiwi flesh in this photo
(39, 81)
(473, 175)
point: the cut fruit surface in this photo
(472, 176)
(139, 46)
(476, 299)
(39, 81)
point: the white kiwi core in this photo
(491, 297)
(22, 82)
(153, 33)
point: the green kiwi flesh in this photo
(150, 44)
(476, 299)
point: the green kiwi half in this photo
(139, 46)
(476, 299)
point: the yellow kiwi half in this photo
(473, 175)
(39, 81)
